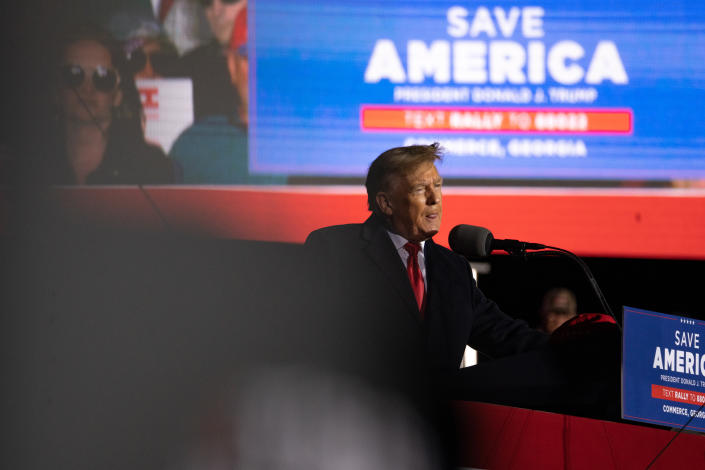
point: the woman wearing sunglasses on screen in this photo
(99, 126)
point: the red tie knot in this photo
(412, 248)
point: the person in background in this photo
(97, 135)
(214, 150)
(206, 65)
(150, 53)
(558, 306)
(184, 21)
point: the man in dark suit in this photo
(411, 298)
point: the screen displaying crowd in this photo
(234, 92)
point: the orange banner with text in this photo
(538, 121)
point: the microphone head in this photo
(471, 241)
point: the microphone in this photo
(473, 241)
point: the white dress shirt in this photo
(399, 243)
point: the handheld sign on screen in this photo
(168, 108)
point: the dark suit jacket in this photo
(364, 277)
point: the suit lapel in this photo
(382, 252)
(445, 301)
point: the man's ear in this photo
(384, 203)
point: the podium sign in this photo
(663, 369)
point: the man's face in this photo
(221, 17)
(413, 203)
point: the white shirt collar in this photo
(400, 241)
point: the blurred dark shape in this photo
(212, 92)
(301, 417)
(589, 346)
(114, 342)
(579, 374)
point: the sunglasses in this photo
(162, 62)
(104, 79)
(208, 3)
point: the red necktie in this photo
(414, 272)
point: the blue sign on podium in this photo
(663, 369)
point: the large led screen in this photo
(574, 123)
(563, 90)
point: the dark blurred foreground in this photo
(126, 350)
(133, 350)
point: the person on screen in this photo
(206, 65)
(557, 307)
(149, 52)
(392, 274)
(97, 135)
(183, 22)
(214, 150)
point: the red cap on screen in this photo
(239, 36)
